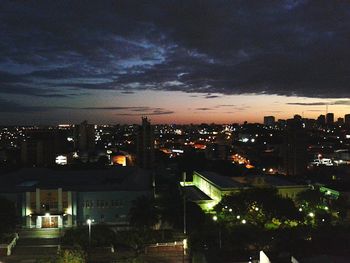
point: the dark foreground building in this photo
(145, 144)
(295, 148)
(48, 198)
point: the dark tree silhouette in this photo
(8, 217)
(143, 213)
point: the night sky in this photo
(178, 61)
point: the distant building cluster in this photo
(61, 175)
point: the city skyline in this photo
(175, 62)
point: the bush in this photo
(71, 256)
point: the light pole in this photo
(89, 222)
(185, 228)
(184, 199)
(215, 219)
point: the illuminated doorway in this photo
(49, 222)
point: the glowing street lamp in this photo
(89, 222)
(215, 219)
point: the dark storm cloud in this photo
(155, 112)
(209, 96)
(203, 109)
(234, 107)
(288, 47)
(7, 106)
(308, 103)
(130, 111)
(337, 102)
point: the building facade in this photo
(48, 198)
(212, 187)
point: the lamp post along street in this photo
(89, 221)
(184, 196)
(215, 219)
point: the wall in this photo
(107, 207)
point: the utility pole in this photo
(185, 230)
(184, 197)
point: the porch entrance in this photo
(49, 222)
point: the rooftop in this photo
(266, 180)
(116, 178)
(195, 195)
(222, 182)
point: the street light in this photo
(89, 222)
(184, 204)
(215, 219)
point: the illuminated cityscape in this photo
(174, 131)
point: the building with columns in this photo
(59, 198)
(49, 208)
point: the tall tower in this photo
(347, 120)
(145, 145)
(295, 148)
(41, 146)
(84, 137)
(321, 120)
(330, 118)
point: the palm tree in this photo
(143, 213)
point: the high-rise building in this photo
(330, 118)
(295, 150)
(145, 145)
(340, 121)
(84, 137)
(321, 120)
(269, 120)
(347, 119)
(281, 123)
(41, 146)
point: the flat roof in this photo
(109, 179)
(194, 194)
(222, 182)
(269, 180)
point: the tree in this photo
(170, 206)
(341, 206)
(257, 206)
(324, 208)
(101, 236)
(8, 217)
(71, 256)
(310, 199)
(136, 239)
(143, 213)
